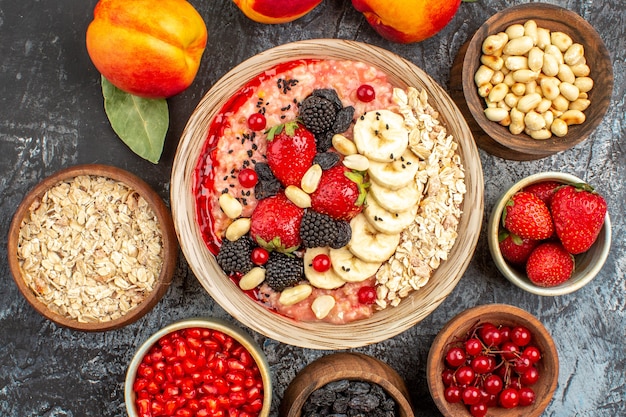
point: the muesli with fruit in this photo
(327, 193)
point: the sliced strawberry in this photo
(290, 152)
(514, 248)
(275, 223)
(340, 193)
(544, 190)
(578, 212)
(527, 216)
(549, 265)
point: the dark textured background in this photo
(51, 116)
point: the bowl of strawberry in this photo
(494, 359)
(198, 367)
(550, 233)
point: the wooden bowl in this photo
(217, 325)
(340, 366)
(499, 315)
(497, 139)
(383, 324)
(169, 250)
(587, 264)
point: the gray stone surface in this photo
(51, 116)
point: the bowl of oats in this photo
(92, 247)
(327, 193)
(534, 80)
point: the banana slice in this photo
(399, 200)
(397, 174)
(380, 135)
(368, 244)
(385, 221)
(328, 280)
(349, 267)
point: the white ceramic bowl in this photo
(587, 265)
(208, 323)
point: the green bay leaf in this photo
(141, 123)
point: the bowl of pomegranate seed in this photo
(550, 233)
(198, 367)
(348, 383)
(493, 359)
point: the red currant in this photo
(455, 357)
(520, 336)
(367, 295)
(365, 93)
(526, 396)
(521, 364)
(509, 398)
(471, 395)
(465, 375)
(491, 336)
(248, 177)
(452, 394)
(493, 384)
(259, 256)
(321, 262)
(447, 376)
(505, 332)
(478, 410)
(509, 350)
(473, 346)
(532, 353)
(483, 364)
(256, 121)
(530, 376)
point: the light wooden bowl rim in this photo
(497, 314)
(340, 366)
(207, 323)
(170, 244)
(555, 18)
(384, 324)
(588, 264)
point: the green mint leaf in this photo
(141, 123)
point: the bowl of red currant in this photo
(494, 359)
(198, 367)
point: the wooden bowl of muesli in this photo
(92, 247)
(221, 167)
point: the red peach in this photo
(147, 48)
(275, 11)
(407, 21)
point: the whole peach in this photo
(147, 48)
(407, 21)
(276, 11)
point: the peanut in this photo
(252, 279)
(230, 206)
(297, 196)
(238, 228)
(322, 305)
(358, 162)
(343, 145)
(293, 295)
(573, 117)
(311, 178)
(559, 128)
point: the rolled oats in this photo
(429, 239)
(90, 248)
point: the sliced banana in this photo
(396, 201)
(328, 280)
(385, 221)
(397, 174)
(368, 244)
(349, 267)
(380, 135)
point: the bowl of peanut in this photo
(92, 247)
(534, 80)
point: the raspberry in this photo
(282, 271)
(318, 114)
(235, 256)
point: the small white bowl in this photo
(587, 265)
(208, 323)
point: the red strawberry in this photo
(527, 216)
(578, 213)
(290, 152)
(340, 193)
(275, 223)
(544, 190)
(549, 265)
(514, 248)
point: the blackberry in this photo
(282, 271)
(343, 235)
(318, 114)
(235, 256)
(326, 160)
(317, 230)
